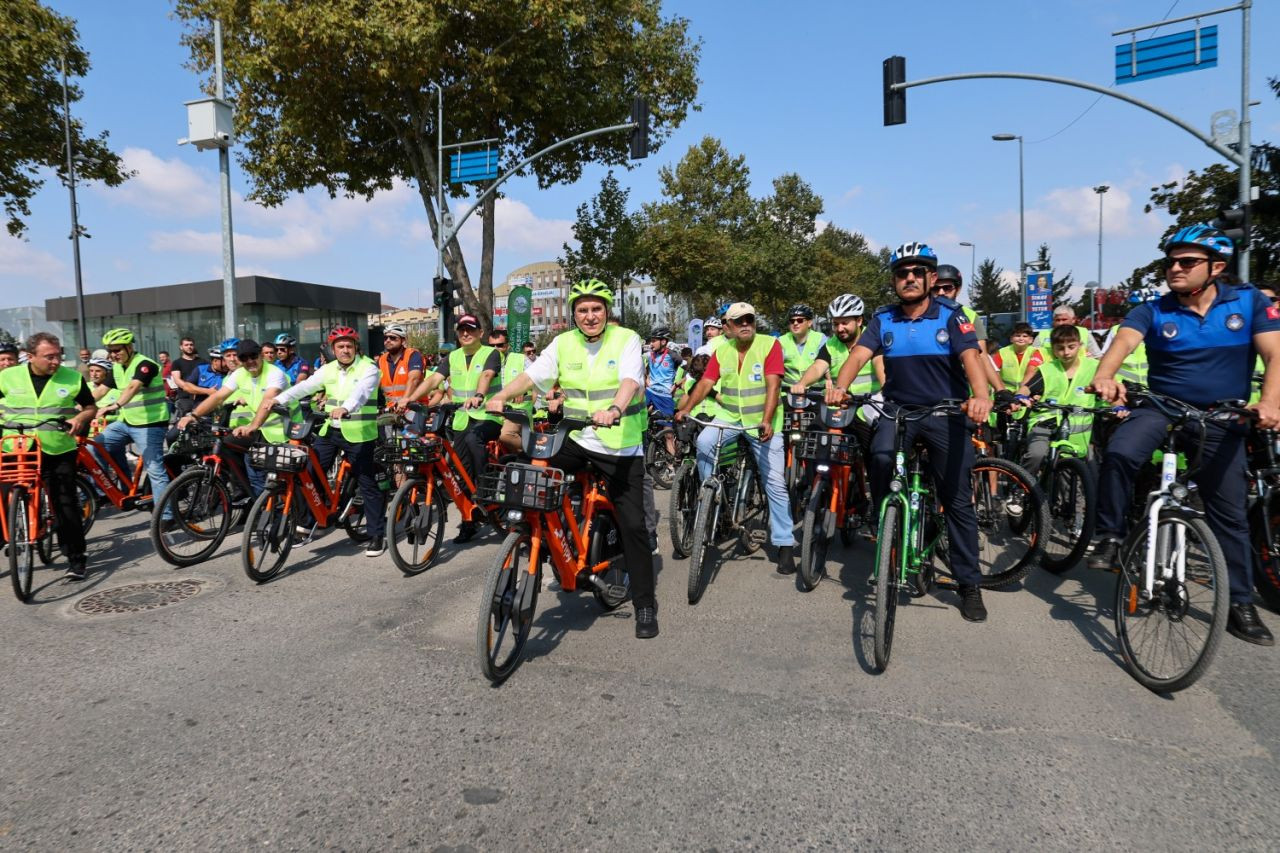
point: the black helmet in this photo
(8, 347)
(660, 333)
(800, 310)
(946, 272)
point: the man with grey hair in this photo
(1065, 315)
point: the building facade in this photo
(551, 292)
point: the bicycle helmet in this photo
(713, 323)
(800, 310)
(913, 253)
(284, 339)
(660, 333)
(591, 287)
(117, 338)
(1205, 237)
(397, 330)
(340, 332)
(229, 345)
(846, 305)
(8, 347)
(104, 363)
(215, 351)
(946, 272)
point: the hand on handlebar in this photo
(338, 414)
(1110, 390)
(836, 396)
(475, 401)
(243, 431)
(679, 416)
(605, 418)
(797, 388)
(977, 409)
(1268, 415)
(495, 405)
(185, 421)
(766, 431)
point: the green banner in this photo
(519, 315)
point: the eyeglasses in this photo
(1184, 264)
(392, 338)
(114, 350)
(943, 288)
(904, 272)
(744, 320)
(468, 330)
(795, 320)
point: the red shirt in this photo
(772, 362)
(1037, 358)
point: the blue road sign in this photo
(1163, 55)
(473, 166)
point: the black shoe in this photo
(77, 572)
(786, 560)
(466, 532)
(1106, 554)
(971, 606)
(377, 546)
(168, 525)
(646, 623)
(1243, 622)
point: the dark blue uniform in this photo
(1198, 360)
(922, 366)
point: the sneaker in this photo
(466, 532)
(646, 623)
(76, 571)
(787, 560)
(1106, 554)
(1243, 622)
(971, 606)
(168, 525)
(377, 546)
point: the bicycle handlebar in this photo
(60, 423)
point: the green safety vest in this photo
(248, 396)
(865, 382)
(57, 400)
(796, 358)
(513, 366)
(1012, 371)
(107, 399)
(464, 379)
(1069, 392)
(1134, 367)
(358, 426)
(742, 387)
(1043, 344)
(1258, 367)
(148, 406)
(707, 407)
(590, 388)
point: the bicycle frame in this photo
(320, 496)
(108, 476)
(734, 475)
(30, 481)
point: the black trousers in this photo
(360, 455)
(624, 476)
(470, 444)
(59, 474)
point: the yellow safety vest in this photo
(57, 399)
(358, 426)
(742, 383)
(590, 388)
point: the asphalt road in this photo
(341, 706)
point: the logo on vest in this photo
(1169, 330)
(887, 340)
(612, 364)
(1235, 322)
(62, 392)
(942, 336)
(757, 372)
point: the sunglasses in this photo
(744, 320)
(795, 320)
(903, 272)
(943, 288)
(469, 330)
(1184, 263)
(115, 350)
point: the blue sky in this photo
(794, 87)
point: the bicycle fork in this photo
(1170, 543)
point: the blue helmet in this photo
(229, 345)
(1204, 237)
(913, 253)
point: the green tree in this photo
(638, 320)
(33, 42)
(781, 253)
(338, 93)
(1061, 283)
(989, 293)
(607, 238)
(845, 263)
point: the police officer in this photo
(143, 408)
(1201, 338)
(930, 353)
(599, 368)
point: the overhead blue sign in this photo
(473, 166)
(1040, 300)
(1164, 55)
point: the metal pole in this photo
(1100, 190)
(224, 177)
(1246, 167)
(440, 327)
(75, 220)
(1022, 237)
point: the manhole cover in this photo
(137, 597)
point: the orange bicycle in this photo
(539, 502)
(296, 482)
(125, 491)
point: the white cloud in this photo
(1069, 213)
(517, 229)
(168, 187)
(27, 271)
(851, 193)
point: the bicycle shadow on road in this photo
(573, 612)
(1082, 598)
(105, 557)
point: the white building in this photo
(551, 292)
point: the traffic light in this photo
(442, 288)
(1234, 222)
(640, 133)
(895, 100)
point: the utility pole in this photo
(75, 219)
(1101, 189)
(224, 178)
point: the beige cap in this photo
(739, 309)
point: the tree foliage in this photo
(989, 293)
(33, 42)
(607, 238)
(338, 93)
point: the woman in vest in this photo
(600, 370)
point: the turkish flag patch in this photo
(968, 327)
(1273, 312)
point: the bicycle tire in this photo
(351, 510)
(414, 527)
(605, 544)
(202, 505)
(683, 509)
(1130, 613)
(21, 562)
(1266, 567)
(815, 535)
(888, 571)
(1000, 560)
(508, 603)
(704, 542)
(661, 464)
(1072, 508)
(753, 524)
(268, 536)
(87, 498)
(45, 544)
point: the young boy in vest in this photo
(1015, 360)
(1063, 379)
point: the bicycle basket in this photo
(524, 486)
(837, 448)
(20, 460)
(417, 450)
(195, 440)
(281, 458)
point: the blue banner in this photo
(695, 334)
(1040, 300)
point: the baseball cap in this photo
(248, 346)
(739, 309)
(467, 321)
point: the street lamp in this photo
(1100, 190)
(76, 228)
(1022, 223)
(973, 256)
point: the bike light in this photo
(1179, 492)
(895, 486)
(515, 516)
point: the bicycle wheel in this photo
(507, 606)
(351, 513)
(661, 464)
(1072, 507)
(268, 536)
(1266, 550)
(1168, 639)
(200, 506)
(45, 546)
(888, 571)
(753, 513)
(21, 551)
(703, 548)
(1012, 519)
(683, 509)
(815, 534)
(415, 526)
(87, 499)
(606, 544)
(795, 481)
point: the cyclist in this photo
(287, 357)
(8, 354)
(350, 381)
(1062, 379)
(948, 284)
(513, 364)
(749, 371)
(37, 391)
(104, 393)
(1201, 339)
(931, 353)
(846, 312)
(1065, 315)
(474, 372)
(713, 336)
(144, 411)
(800, 345)
(660, 373)
(599, 367)
(400, 366)
(185, 371)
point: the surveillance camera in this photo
(222, 136)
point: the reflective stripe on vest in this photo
(56, 400)
(395, 387)
(1134, 367)
(742, 384)
(148, 406)
(464, 379)
(590, 387)
(796, 359)
(358, 426)
(1013, 371)
(1058, 388)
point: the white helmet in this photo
(713, 323)
(846, 305)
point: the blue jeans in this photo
(662, 402)
(148, 441)
(772, 462)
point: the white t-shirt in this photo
(546, 370)
(275, 378)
